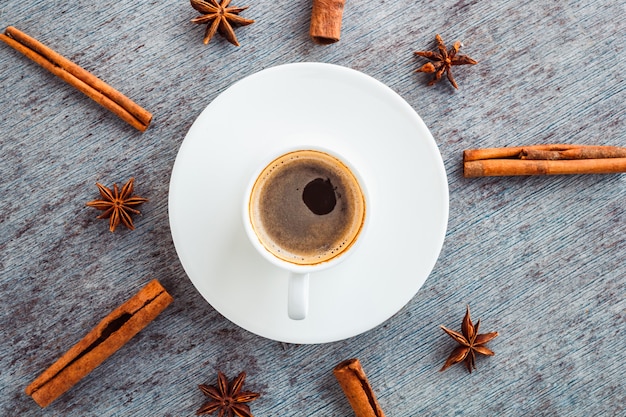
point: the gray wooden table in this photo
(539, 259)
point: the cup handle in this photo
(298, 297)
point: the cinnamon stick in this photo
(551, 159)
(589, 152)
(105, 339)
(516, 151)
(356, 387)
(326, 18)
(76, 76)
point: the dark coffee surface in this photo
(308, 208)
(319, 196)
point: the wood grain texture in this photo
(539, 259)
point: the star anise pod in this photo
(117, 205)
(228, 399)
(470, 343)
(219, 18)
(443, 61)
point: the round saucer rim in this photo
(315, 338)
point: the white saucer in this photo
(335, 108)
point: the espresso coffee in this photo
(306, 207)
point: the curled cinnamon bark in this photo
(77, 77)
(585, 152)
(552, 159)
(326, 18)
(357, 389)
(105, 339)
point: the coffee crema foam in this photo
(287, 227)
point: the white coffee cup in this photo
(304, 211)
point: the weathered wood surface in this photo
(541, 260)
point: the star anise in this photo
(219, 18)
(471, 343)
(117, 205)
(443, 61)
(228, 399)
